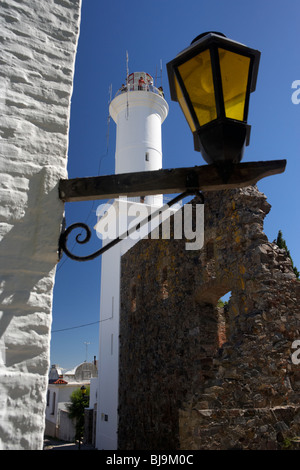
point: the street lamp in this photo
(212, 80)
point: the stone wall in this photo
(38, 47)
(270, 428)
(193, 376)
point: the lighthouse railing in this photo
(143, 87)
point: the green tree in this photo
(79, 401)
(281, 243)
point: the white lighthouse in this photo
(138, 109)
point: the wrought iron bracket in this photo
(63, 240)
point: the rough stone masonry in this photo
(38, 47)
(196, 376)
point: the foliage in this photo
(79, 402)
(289, 442)
(281, 243)
(221, 303)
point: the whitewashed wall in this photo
(38, 40)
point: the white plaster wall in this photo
(93, 391)
(62, 395)
(38, 40)
(108, 371)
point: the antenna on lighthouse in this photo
(107, 132)
(127, 61)
(108, 118)
(110, 93)
(160, 76)
(127, 74)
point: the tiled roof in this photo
(60, 381)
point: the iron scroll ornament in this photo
(63, 239)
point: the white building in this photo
(60, 388)
(138, 109)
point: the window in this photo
(53, 403)
(197, 76)
(234, 73)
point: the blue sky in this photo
(153, 33)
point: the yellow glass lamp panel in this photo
(197, 77)
(184, 107)
(234, 73)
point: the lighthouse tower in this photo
(138, 110)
